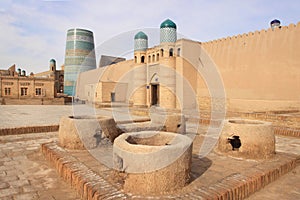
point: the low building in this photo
(18, 88)
(57, 75)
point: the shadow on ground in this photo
(199, 166)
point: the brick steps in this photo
(91, 186)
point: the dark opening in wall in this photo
(171, 52)
(235, 142)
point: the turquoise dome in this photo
(52, 60)
(168, 24)
(141, 35)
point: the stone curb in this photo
(241, 186)
(28, 129)
(87, 183)
(91, 186)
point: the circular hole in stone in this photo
(82, 117)
(240, 121)
(155, 140)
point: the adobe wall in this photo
(86, 82)
(107, 89)
(16, 83)
(187, 84)
(32, 101)
(89, 83)
(260, 70)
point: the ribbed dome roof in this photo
(141, 35)
(168, 23)
(275, 21)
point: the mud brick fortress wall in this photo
(260, 69)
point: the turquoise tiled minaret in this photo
(140, 41)
(168, 31)
(80, 56)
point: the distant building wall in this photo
(41, 88)
(90, 82)
(26, 87)
(57, 75)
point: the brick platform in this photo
(86, 182)
(214, 177)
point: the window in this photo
(178, 52)
(171, 52)
(153, 58)
(135, 59)
(157, 57)
(61, 78)
(142, 59)
(38, 91)
(24, 91)
(7, 91)
(162, 52)
(149, 59)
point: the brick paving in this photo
(31, 115)
(288, 186)
(24, 173)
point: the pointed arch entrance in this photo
(154, 90)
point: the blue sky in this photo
(34, 31)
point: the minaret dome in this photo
(168, 31)
(140, 41)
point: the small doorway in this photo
(113, 97)
(154, 94)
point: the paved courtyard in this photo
(32, 115)
(25, 174)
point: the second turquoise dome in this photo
(141, 35)
(168, 24)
